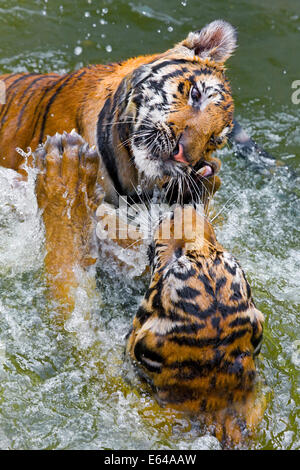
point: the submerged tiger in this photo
(197, 331)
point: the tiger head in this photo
(197, 331)
(176, 108)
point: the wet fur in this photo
(135, 111)
(197, 332)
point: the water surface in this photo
(64, 388)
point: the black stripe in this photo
(180, 88)
(187, 328)
(236, 288)
(187, 292)
(234, 336)
(226, 310)
(104, 124)
(156, 301)
(197, 368)
(196, 342)
(179, 394)
(195, 310)
(166, 63)
(20, 79)
(142, 315)
(220, 283)
(183, 276)
(11, 75)
(215, 342)
(238, 353)
(168, 76)
(52, 99)
(206, 282)
(142, 353)
(230, 269)
(42, 77)
(240, 321)
(215, 321)
(255, 341)
(204, 71)
(32, 83)
(11, 86)
(38, 110)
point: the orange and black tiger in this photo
(150, 117)
(197, 331)
(153, 120)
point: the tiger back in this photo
(197, 331)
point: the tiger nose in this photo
(179, 155)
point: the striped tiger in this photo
(197, 331)
(150, 117)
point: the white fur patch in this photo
(160, 326)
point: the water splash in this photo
(65, 388)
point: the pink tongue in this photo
(205, 171)
(179, 157)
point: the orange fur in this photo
(197, 330)
(99, 102)
(42, 105)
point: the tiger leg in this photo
(68, 194)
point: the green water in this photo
(63, 389)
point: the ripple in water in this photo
(64, 388)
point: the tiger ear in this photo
(216, 41)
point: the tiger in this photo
(150, 117)
(197, 332)
(153, 120)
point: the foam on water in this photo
(21, 235)
(66, 388)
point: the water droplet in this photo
(108, 48)
(78, 50)
(87, 14)
(170, 29)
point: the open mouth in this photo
(202, 169)
(191, 186)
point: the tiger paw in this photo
(68, 170)
(68, 193)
